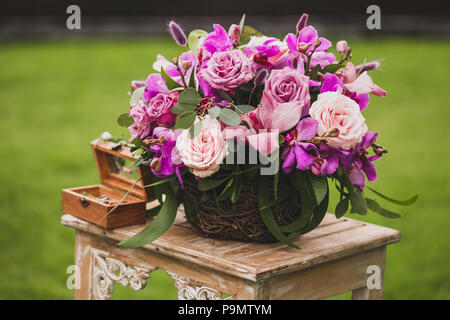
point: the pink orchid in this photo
(361, 84)
(270, 119)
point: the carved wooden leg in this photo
(99, 271)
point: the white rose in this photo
(203, 154)
(334, 110)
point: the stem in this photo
(251, 94)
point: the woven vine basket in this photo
(240, 220)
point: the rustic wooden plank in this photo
(318, 246)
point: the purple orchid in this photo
(154, 84)
(218, 40)
(297, 149)
(187, 63)
(358, 162)
(328, 161)
(308, 37)
(165, 161)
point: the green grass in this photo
(55, 97)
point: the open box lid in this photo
(109, 157)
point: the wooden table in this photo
(338, 256)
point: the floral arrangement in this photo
(293, 104)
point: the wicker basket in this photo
(238, 221)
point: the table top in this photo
(331, 240)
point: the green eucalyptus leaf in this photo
(125, 120)
(158, 226)
(374, 206)
(244, 108)
(195, 129)
(399, 202)
(332, 68)
(194, 38)
(136, 95)
(178, 109)
(229, 117)
(189, 97)
(185, 120)
(214, 112)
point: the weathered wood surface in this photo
(335, 239)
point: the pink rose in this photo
(139, 112)
(159, 108)
(334, 110)
(227, 70)
(203, 154)
(287, 85)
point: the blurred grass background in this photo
(57, 96)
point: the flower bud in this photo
(261, 77)
(156, 164)
(368, 66)
(186, 65)
(332, 133)
(136, 84)
(234, 32)
(302, 22)
(379, 150)
(302, 46)
(341, 46)
(177, 33)
(317, 43)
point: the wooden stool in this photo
(338, 256)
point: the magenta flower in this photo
(358, 162)
(267, 52)
(218, 40)
(328, 161)
(165, 161)
(308, 36)
(298, 151)
(154, 84)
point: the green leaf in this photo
(189, 97)
(194, 38)
(319, 186)
(229, 117)
(399, 202)
(137, 95)
(276, 177)
(359, 204)
(300, 182)
(226, 192)
(214, 112)
(332, 68)
(178, 109)
(246, 33)
(125, 120)
(267, 215)
(209, 184)
(374, 206)
(170, 83)
(244, 108)
(341, 208)
(195, 129)
(185, 120)
(236, 188)
(225, 95)
(158, 226)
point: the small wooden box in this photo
(83, 202)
